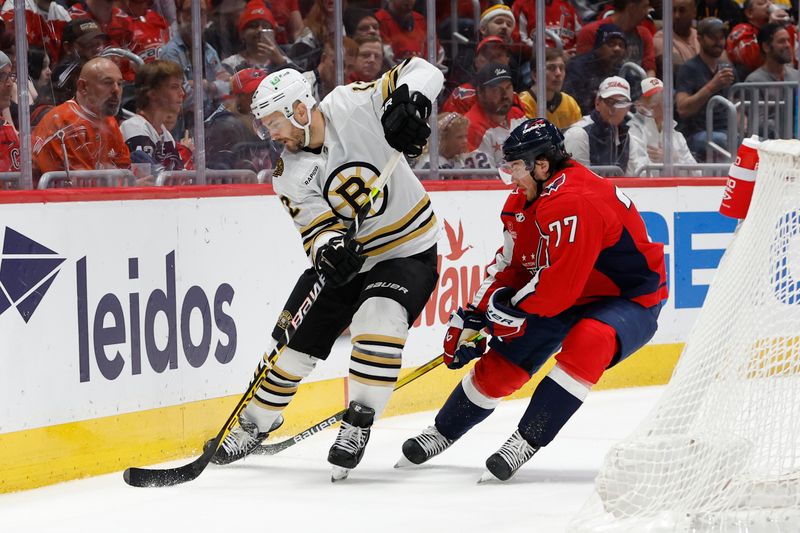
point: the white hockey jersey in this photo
(322, 192)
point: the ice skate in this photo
(347, 450)
(241, 441)
(505, 462)
(419, 449)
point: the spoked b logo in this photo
(347, 189)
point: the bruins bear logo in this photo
(278, 168)
(285, 319)
(347, 189)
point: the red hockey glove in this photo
(505, 321)
(460, 346)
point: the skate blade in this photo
(488, 477)
(339, 474)
(403, 462)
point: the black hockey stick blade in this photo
(272, 449)
(167, 477)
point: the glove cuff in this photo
(321, 240)
(501, 311)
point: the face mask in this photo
(261, 130)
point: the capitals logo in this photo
(348, 188)
(554, 185)
(463, 93)
(27, 269)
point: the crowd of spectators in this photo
(111, 82)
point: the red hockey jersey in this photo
(44, 28)
(578, 242)
(9, 148)
(118, 29)
(560, 16)
(148, 34)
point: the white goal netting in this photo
(721, 450)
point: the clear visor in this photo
(506, 170)
(261, 130)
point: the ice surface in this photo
(291, 492)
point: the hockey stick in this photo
(272, 449)
(164, 477)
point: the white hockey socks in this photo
(279, 387)
(379, 330)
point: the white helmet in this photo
(278, 92)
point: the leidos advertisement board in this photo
(111, 307)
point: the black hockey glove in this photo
(404, 121)
(337, 262)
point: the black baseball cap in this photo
(492, 74)
(81, 29)
(710, 25)
(606, 32)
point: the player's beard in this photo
(294, 143)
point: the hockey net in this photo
(720, 452)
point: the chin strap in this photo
(306, 129)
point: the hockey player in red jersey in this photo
(576, 271)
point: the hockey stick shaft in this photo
(272, 449)
(162, 477)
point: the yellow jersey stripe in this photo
(421, 206)
(278, 389)
(284, 375)
(268, 405)
(337, 228)
(379, 340)
(327, 216)
(431, 223)
(373, 382)
(388, 362)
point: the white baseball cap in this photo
(614, 86)
(651, 86)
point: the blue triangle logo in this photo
(15, 243)
(27, 270)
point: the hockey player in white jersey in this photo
(378, 286)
